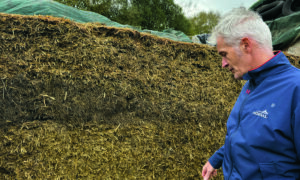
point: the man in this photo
(263, 129)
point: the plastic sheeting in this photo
(285, 29)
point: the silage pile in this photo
(90, 101)
(52, 69)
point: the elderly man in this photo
(263, 129)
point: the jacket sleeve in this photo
(216, 160)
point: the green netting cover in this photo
(285, 30)
(53, 8)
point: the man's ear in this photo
(246, 44)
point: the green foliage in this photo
(146, 14)
(80, 4)
(112, 9)
(204, 22)
(182, 23)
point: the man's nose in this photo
(224, 63)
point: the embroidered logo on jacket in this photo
(263, 114)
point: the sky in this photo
(192, 7)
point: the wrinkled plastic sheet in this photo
(285, 30)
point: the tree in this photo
(181, 23)
(204, 22)
(155, 14)
(108, 8)
(80, 4)
(112, 9)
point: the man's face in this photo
(233, 59)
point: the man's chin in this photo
(238, 77)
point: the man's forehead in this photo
(221, 46)
(220, 42)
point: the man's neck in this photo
(261, 56)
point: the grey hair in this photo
(240, 23)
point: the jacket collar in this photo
(258, 74)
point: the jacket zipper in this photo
(238, 124)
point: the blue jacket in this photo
(263, 129)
